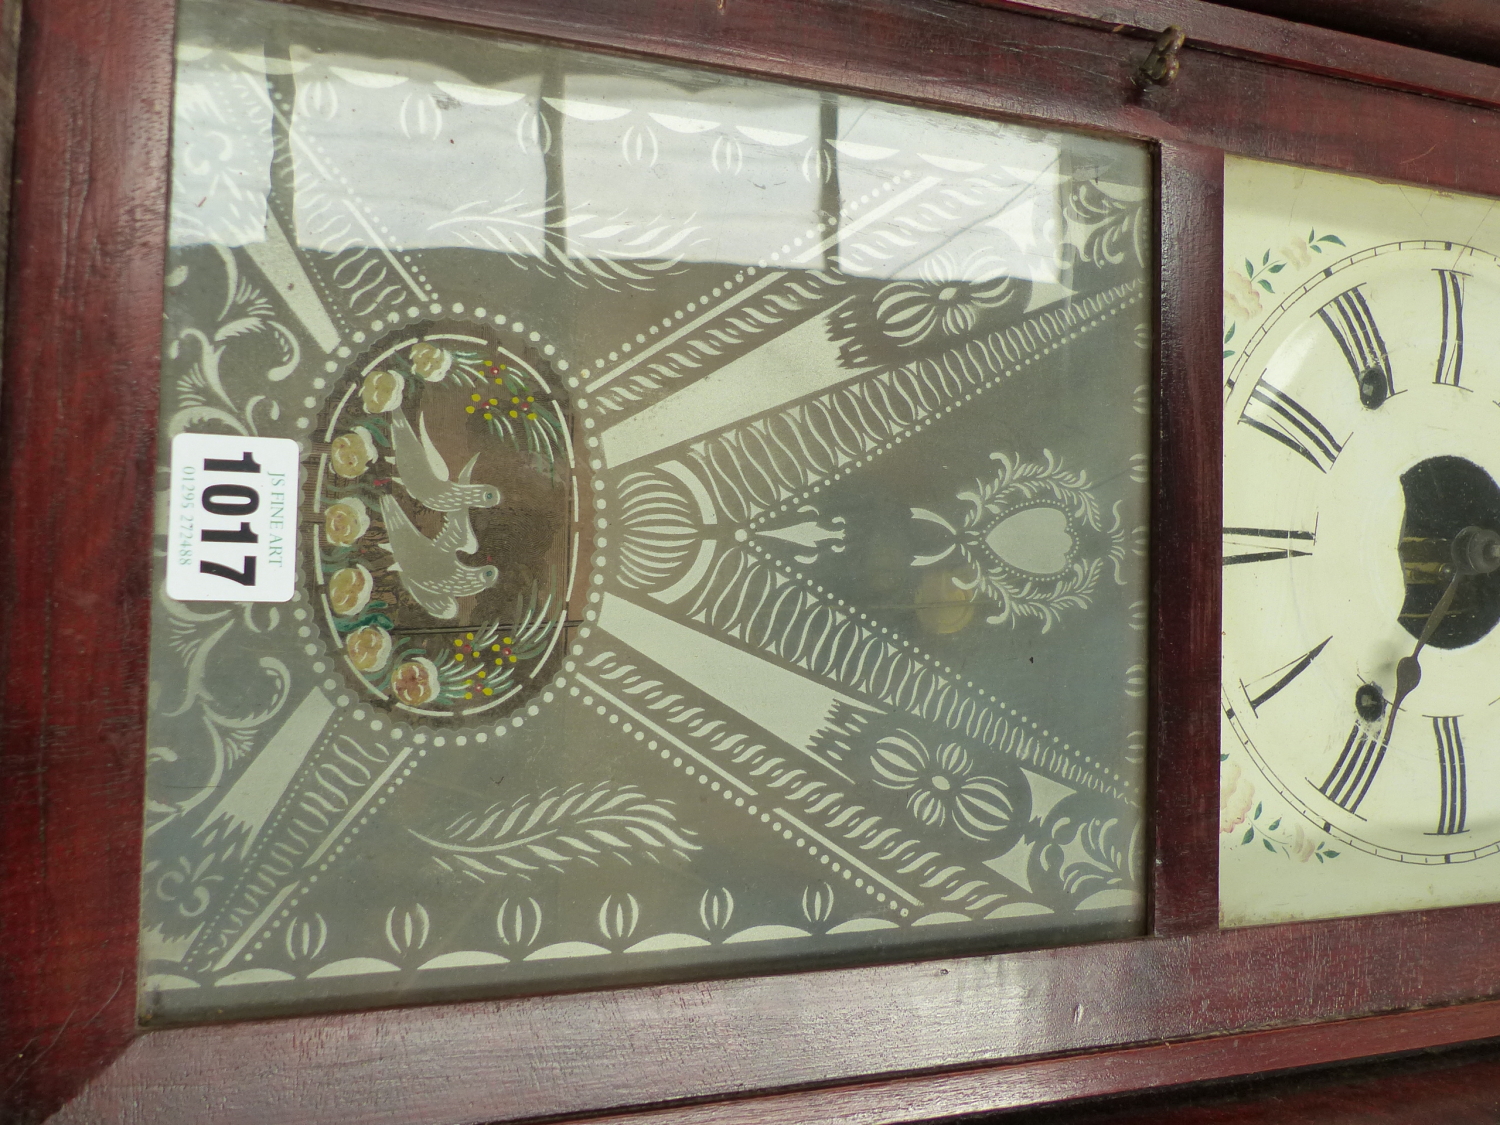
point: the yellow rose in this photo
(349, 590)
(369, 648)
(382, 391)
(430, 362)
(345, 521)
(352, 453)
(415, 682)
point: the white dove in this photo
(424, 474)
(430, 568)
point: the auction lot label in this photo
(233, 530)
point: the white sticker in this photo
(233, 531)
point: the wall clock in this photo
(1359, 506)
(894, 327)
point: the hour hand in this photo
(1476, 550)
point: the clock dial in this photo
(1359, 430)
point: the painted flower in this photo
(946, 300)
(382, 391)
(430, 362)
(1236, 795)
(345, 521)
(369, 648)
(476, 657)
(352, 453)
(941, 787)
(415, 682)
(1297, 253)
(1302, 846)
(1241, 300)
(349, 590)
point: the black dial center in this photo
(1443, 496)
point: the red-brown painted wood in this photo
(1459, 1086)
(1419, 1096)
(594, 1052)
(10, 33)
(1342, 48)
(75, 454)
(1469, 29)
(76, 462)
(1185, 556)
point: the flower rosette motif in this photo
(352, 452)
(349, 590)
(415, 681)
(947, 300)
(942, 788)
(345, 521)
(382, 391)
(369, 648)
(429, 362)
(947, 303)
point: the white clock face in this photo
(1361, 433)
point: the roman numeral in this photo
(1259, 544)
(1349, 319)
(1350, 778)
(1258, 692)
(1453, 807)
(1450, 361)
(1277, 414)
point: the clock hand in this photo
(1476, 550)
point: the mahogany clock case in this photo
(908, 1040)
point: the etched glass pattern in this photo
(722, 525)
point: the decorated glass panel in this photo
(1361, 547)
(621, 522)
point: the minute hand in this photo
(1475, 551)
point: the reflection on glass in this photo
(722, 525)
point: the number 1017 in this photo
(228, 493)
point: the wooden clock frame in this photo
(898, 1042)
